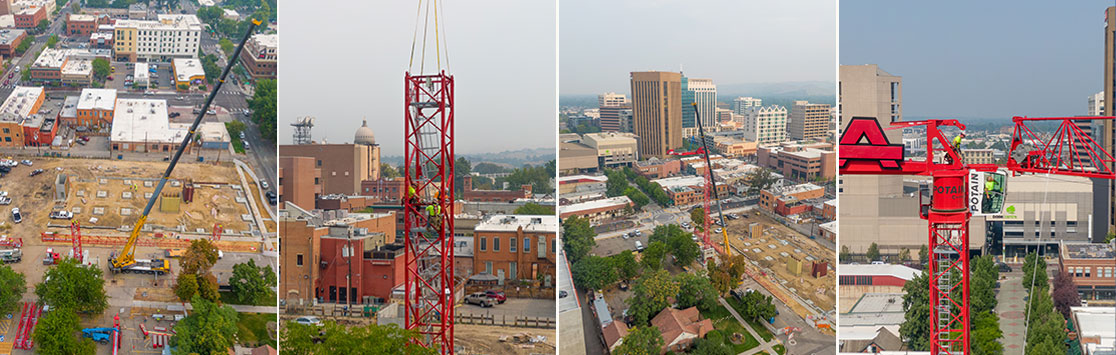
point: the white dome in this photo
(364, 135)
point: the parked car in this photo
(174, 114)
(36, 172)
(61, 215)
(16, 216)
(480, 299)
(211, 112)
(242, 135)
(26, 162)
(308, 320)
(271, 197)
(265, 185)
(5, 200)
(638, 246)
(497, 295)
(1004, 267)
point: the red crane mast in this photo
(956, 196)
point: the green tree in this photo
(712, 345)
(873, 253)
(52, 41)
(698, 216)
(594, 272)
(251, 284)
(617, 183)
(578, 238)
(530, 175)
(12, 287)
(226, 46)
(641, 341)
(388, 172)
(638, 197)
(489, 168)
(844, 255)
(626, 265)
(264, 105)
(56, 333)
(722, 281)
(532, 208)
(698, 292)
(332, 338)
(23, 46)
(101, 68)
(73, 287)
(42, 26)
(1030, 277)
(208, 329)
(235, 127)
(651, 293)
(904, 254)
(758, 180)
(186, 287)
(923, 254)
(684, 249)
(757, 306)
(207, 287)
(653, 255)
(916, 304)
(985, 334)
(199, 257)
(982, 284)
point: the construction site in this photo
(794, 268)
(106, 198)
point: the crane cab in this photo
(987, 192)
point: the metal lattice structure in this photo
(75, 241)
(428, 170)
(865, 150)
(302, 130)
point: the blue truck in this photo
(100, 335)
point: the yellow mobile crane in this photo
(126, 261)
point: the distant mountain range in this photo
(508, 158)
(822, 92)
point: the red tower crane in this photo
(960, 191)
(217, 230)
(75, 240)
(428, 209)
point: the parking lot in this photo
(513, 307)
(163, 78)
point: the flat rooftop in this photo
(7, 36)
(618, 201)
(511, 223)
(572, 179)
(794, 189)
(69, 107)
(78, 66)
(266, 40)
(186, 68)
(21, 101)
(1088, 251)
(145, 120)
(165, 22)
(82, 18)
(898, 271)
(680, 181)
(97, 99)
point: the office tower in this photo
(1096, 104)
(704, 93)
(657, 111)
(614, 108)
(742, 103)
(808, 121)
(1102, 188)
(765, 125)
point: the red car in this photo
(496, 295)
(11, 75)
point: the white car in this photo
(27, 162)
(242, 135)
(61, 215)
(5, 200)
(16, 216)
(309, 320)
(265, 185)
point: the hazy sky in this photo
(997, 58)
(344, 63)
(731, 42)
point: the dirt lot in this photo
(481, 339)
(776, 247)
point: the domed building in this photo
(364, 135)
(341, 167)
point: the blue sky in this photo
(995, 58)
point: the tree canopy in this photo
(532, 208)
(651, 293)
(577, 238)
(208, 329)
(331, 338)
(594, 272)
(56, 333)
(641, 341)
(12, 287)
(264, 105)
(70, 287)
(252, 284)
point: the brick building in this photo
(800, 162)
(516, 247)
(787, 197)
(384, 190)
(21, 104)
(473, 195)
(30, 17)
(9, 40)
(343, 166)
(299, 181)
(260, 56)
(81, 24)
(1092, 266)
(597, 211)
(656, 168)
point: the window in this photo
(488, 267)
(495, 243)
(513, 271)
(298, 260)
(483, 244)
(511, 244)
(526, 244)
